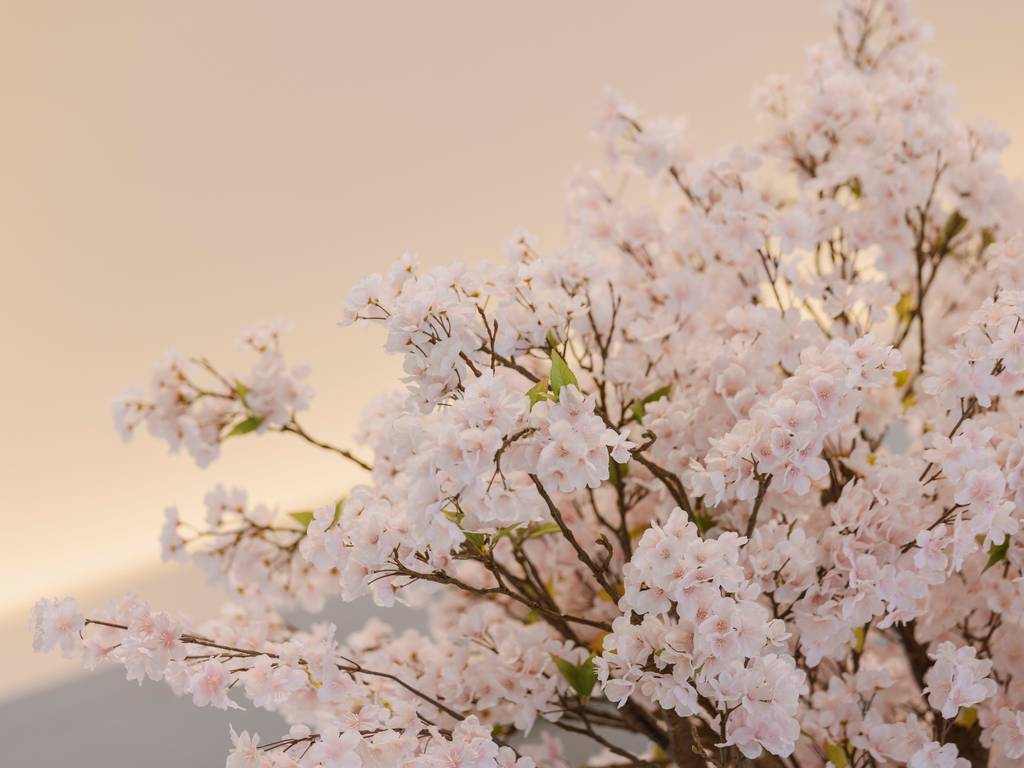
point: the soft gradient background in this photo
(170, 171)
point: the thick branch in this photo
(682, 744)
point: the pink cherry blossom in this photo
(734, 471)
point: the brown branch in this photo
(352, 667)
(556, 515)
(440, 577)
(762, 487)
(293, 428)
(671, 482)
(682, 744)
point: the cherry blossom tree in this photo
(734, 477)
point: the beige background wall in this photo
(172, 170)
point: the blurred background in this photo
(170, 172)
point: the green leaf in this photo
(997, 553)
(453, 516)
(858, 637)
(954, 226)
(541, 530)
(617, 472)
(477, 541)
(905, 307)
(987, 238)
(967, 717)
(703, 520)
(305, 516)
(586, 677)
(836, 755)
(567, 668)
(661, 755)
(581, 677)
(640, 408)
(242, 391)
(245, 426)
(538, 392)
(501, 534)
(561, 376)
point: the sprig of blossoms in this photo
(693, 631)
(190, 404)
(251, 549)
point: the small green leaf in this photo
(660, 755)
(245, 426)
(640, 408)
(581, 678)
(954, 226)
(617, 472)
(567, 668)
(477, 541)
(305, 516)
(501, 534)
(586, 677)
(905, 307)
(997, 553)
(541, 530)
(538, 392)
(987, 238)
(561, 376)
(836, 755)
(453, 516)
(703, 520)
(858, 637)
(967, 717)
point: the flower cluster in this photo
(957, 679)
(781, 441)
(251, 550)
(190, 404)
(702, 633)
